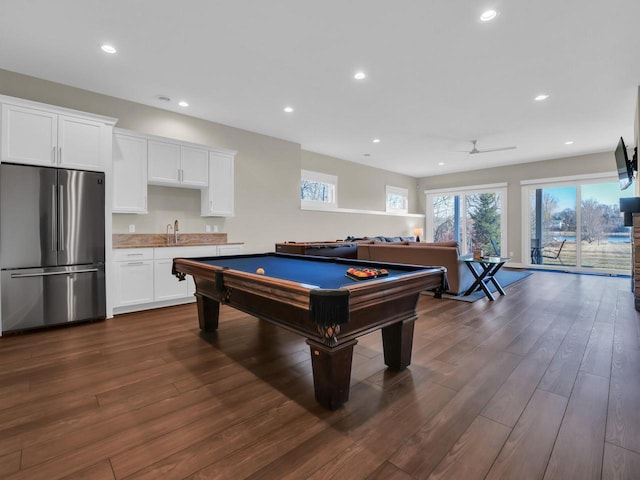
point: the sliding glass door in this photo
(553, 225)
(577, 225)
(474, 217)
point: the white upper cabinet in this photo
(174, 164)
(195, 166)
(129, 174)
(140, 160)
(29, 136)
(217, 200)
(36, 135)
(80, 143)
(164, 163)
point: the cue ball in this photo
(260, 271)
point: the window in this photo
(318, 190)
(397, 200)
(575, 224)
(475, 217)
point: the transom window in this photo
(397, 199)
(318, 190)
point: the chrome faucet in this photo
(175, 231)
(169, 229)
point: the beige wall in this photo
(267, 207)
(361, 187)
(267, 175)
(584, 164)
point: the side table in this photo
(484, 271)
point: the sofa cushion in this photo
(379, 239)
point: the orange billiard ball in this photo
(260, 271)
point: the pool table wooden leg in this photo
(208, 313)
(397, 343)
(331, 372)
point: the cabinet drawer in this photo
(132, 254)
(186, 252)
(230, 250)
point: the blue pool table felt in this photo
(326, 275)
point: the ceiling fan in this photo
(475, 150)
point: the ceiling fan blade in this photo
(496, 149)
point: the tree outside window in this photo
(483, 220)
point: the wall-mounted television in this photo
(625, 168)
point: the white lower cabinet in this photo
(143, 276)
(133, 276)
(165, 285)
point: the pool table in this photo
(313, 297)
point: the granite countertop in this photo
(155, 240)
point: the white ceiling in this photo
(436, 76)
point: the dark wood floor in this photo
(541, 384)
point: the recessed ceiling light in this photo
(376, 140)
(440, 164)
(569, 142)
(182, 103)
(288, 109)
(108, 48)
(488, 15)
(163, 98)
(360, 75)
(366, 154)
(542, 96)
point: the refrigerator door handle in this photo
(54, 223)
(61, 225)
(48, 274)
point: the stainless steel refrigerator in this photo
(51, 246)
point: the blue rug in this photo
(504, 277)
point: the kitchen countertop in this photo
(155, 240)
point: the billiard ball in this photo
(260, 271)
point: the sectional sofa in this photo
(444, 254)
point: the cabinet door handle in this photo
(179, 175)
(145, 202)
(53, 154)
(59, 154)
(210, 204)
(134, 254)
(135, 263)
(48, 274)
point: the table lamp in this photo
(417, 232)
